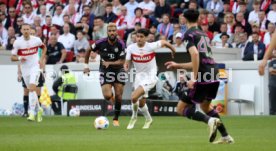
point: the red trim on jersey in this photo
(27, 51)
(42, 46)
(143, 58)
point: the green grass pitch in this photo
(166, 134)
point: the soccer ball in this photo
(101, 122)
(74, 112)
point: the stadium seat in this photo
(246, 96)
(72, 88)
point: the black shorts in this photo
(202, 91)
(41, 81)
(111, 77)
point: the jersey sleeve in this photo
(128, 53)
(95, 46)
(40, 43)
(155, 45)
(15, 48)
(60, 45)
(188, 41)
(122, 52)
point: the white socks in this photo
(33, 100)
(145, 112)
(135, 109)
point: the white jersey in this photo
(29, 50)
(143, 58)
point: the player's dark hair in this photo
(109, 5)
(99, 17)
(145, 32)
(191, 15)
(138, 8)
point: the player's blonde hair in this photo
(111, 25)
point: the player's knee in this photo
(26, 92)
(134, 99)
(107, 96)
(32, 88)
(142, 103)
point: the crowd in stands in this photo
(67, 27)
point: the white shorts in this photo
(32, 77)
(146, 84)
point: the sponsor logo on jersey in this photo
(143, 58)
(28, 51)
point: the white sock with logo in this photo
(33, 100)
(134, 109)
(145, 112)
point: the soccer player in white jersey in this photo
(25, 50)
(142, 55)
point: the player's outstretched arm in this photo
(168, 45)
(174, 65)
(268, 54)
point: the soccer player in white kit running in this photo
(25, 50)
(142, 54)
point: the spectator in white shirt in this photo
(263, 22)
(148, 7)
(122, 20)
(116, 7)
(131, 6)
(236, 7)
(215, 6)
(73, 3)
(58, 17)
(271, 16)
(74, 16)
(100, 28)
(37, 21)
(28, 16)
(43, 14)
(253, 15)
(268, 34)
(67, 39)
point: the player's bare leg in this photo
(225, 137)
(118, 88)
(136, 94)
(145, 111)
(107, 93)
